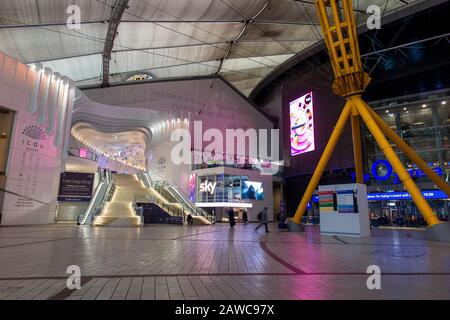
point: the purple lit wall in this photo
(35, 152)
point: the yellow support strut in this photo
(337, 131)
(357, 154)
(339, 30)
(409, 152)
(391, 156)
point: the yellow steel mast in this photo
(338, 25)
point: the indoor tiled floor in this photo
(214, 262)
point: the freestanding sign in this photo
(344, 210)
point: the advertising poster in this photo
(301, 115)
(252, 190)
(33, 175)
(75, 186)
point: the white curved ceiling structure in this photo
(127, 147)
(242, 40)
(123, 134)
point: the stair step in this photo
(117, 222)
(199, 220)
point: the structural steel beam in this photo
(339, 29)
(391, 156)
(409, 152)
(357, 149)
(326, 155)
(114, 20)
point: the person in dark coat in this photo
(262, 216)
(231, 218)
(245, 217)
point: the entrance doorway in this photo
(221, 214)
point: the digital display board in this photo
(252, 190)
(301, 115)
(83, 153)
(399, 195)
(427, 194)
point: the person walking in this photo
(231, 218)
(245, 217)
(189, 219)
(262, 216)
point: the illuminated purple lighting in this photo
(301, 115)
(83, 153)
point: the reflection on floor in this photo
(214, 262)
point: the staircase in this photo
(119, 211)
(174, 195)
(201, 220)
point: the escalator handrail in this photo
(98, 199)
(187, 202)
(91, 205)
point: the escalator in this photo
(174, 195)
(95, 206)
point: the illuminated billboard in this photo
(252, 190)
(301, 115)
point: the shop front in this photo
(391, 205)
(246, 192)
(397, 208)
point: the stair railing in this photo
(188, 205)
(138, 211)
(102, 191)
(171, 191)
(175, 192)
(108, 196)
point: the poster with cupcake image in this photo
(301, 115)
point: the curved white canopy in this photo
(242, 40)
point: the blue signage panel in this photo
(427, 194)
(74, 199)
(403, 195)
(414, 173)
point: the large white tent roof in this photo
(242, 40)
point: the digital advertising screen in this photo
(252, 190)
(301, 115)
(192, 185)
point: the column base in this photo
(438, 232)
(294, 227)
